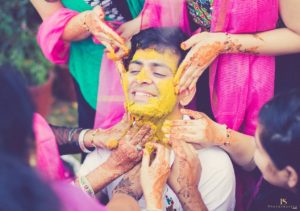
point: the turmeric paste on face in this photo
(155, 111)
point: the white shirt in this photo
(217, 181)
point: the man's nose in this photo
(143, 76)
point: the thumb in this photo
(99, 12)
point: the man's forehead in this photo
(166, 56)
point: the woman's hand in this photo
(200, 131)
(107, 138)
(154, 175)
(122, 159)
(186, 169)
(129, 151)
(205, 47)
(185, 176)
(94, 20)
(130, 28)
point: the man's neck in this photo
(175, 115)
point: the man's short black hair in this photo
(158, 39)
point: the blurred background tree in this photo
(18, 26)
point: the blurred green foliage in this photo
(18, 26)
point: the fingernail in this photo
(183, 46)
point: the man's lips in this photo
(142, 95)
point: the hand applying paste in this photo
(94, 22)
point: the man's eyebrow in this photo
(155, 64)
(136, 62)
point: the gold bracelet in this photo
(85, 186)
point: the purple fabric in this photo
(165, 13)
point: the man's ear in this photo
(186, 96)
(292, 177)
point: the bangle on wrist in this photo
(81, 141)
(71, 133)
(85, 186)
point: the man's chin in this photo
(144, 110)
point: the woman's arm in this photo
(289, 11)
(124, 202)
(74, 30)
(46, 9)
(241, 149)
(121, 160)
(206, 46)
(201, 131)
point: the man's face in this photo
(148, 84)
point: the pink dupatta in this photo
(110, 101)
(49, 36)
(49, 163)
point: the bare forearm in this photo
(101, 177)
(241, 149)
(191, 200)
(273, 42)
(76, 28)
(122, 202)
(46, 9)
